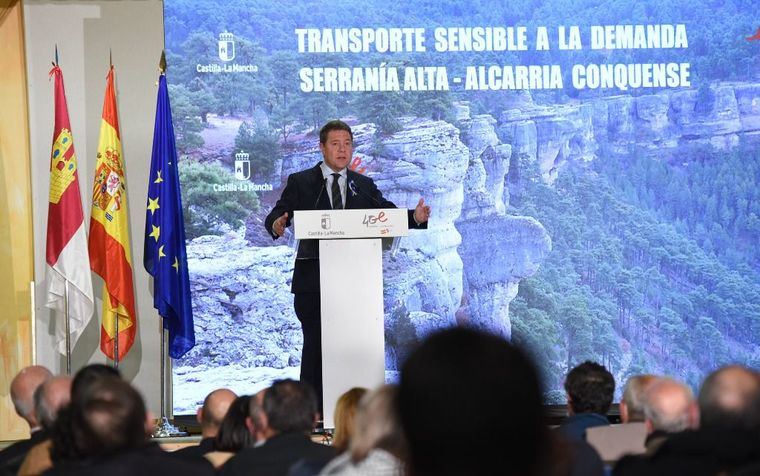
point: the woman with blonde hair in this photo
(345, 410)
(378, 446)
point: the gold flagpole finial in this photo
(110, 57)
(162, 62)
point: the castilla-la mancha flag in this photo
(68, 266)
(109, 234)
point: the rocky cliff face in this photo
(657, 123)
(497, 250)
(466, 268)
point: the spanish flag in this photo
(109, 248)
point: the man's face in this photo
(337, 150)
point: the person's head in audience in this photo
(256, 421)
(214, 409)
(233, 434)
(88, 375)
(108, 416)
(470, 402)
(669, 407)
(730, 400)
(22, 389)
(345, 410)
(49, 398)
(632, 402)
(590, 388)
(377, 425)
(63, 432)
(289, 406)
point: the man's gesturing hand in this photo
(278, 227)
(421, 212)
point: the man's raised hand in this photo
(421, 212)
(279, 225)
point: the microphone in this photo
(321, 191)
(356, 189)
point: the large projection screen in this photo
(593, 169)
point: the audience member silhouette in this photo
(22, 391)
(345, 410)
(110, 426)
(233, 434)
(210, 416)
(728, 438)
(669, 407)
(49, 399)
(632, 402)
(614, 441)
(590, 388)
(289, 413)
(378, 445)
(471, 403)
(62, 433)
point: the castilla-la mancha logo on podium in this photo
(242, 166)
(226, 46)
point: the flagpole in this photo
(67, 318)
(164, 428)
(116, 339)
(66, 315)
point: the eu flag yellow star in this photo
(158, 179)
(153, 205)
(176, 264)
(161, 253)
(156, 232)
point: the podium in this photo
(351, 293)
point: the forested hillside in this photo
(654, 266)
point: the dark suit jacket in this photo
(574, 427)
(150, 460)
(278, 455)
(306, 190)
(195, 452)
(13, 456)
(697, 452)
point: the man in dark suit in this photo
(727, 440)
(109, 436)
(288, 414)
(327, 185)
(590, 388)
(210, 416)
(23, 386)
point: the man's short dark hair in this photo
(336, 125)
(290, 406)
(729, 399)
(108, 417)
(470, 402)
(590, 387)
(88, 375)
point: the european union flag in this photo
(165, 257)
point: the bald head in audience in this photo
(211, 414)
(669, 406)
(730, 399)
(632, 403)
(50, 397)
(23, 387)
